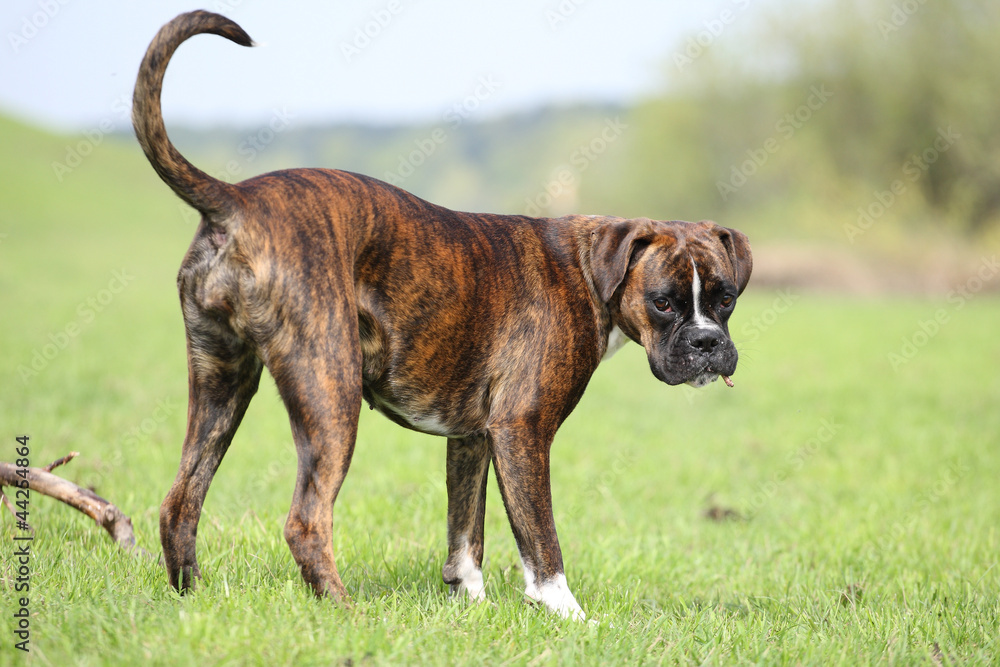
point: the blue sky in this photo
(68, 65)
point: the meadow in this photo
(840, 505)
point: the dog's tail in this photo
(209, 195)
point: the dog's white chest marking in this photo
(616, 341)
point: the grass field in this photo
(840, 505)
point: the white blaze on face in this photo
(700, 320)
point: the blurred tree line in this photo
(828, 118)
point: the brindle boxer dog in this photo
(481, 328)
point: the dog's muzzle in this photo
(696, 356)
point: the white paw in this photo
(471, 583)
(556, 597)
(475, 590)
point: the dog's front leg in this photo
(468, 465)
(521, 460)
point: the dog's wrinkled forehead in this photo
(677, 250)
(623, 252)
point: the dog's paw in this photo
(556, 597)
(470, 590)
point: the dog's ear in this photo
(737, 246)
(613, 244)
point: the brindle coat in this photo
(481, 328)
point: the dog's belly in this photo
(409, 393)
(414, 400)
(437, 409)
(425, 421)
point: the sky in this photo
(69, 65)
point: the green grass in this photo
(869, 495)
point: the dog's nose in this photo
(705, 341)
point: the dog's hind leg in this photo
(468, 465)
(223, 374)
(320, 384)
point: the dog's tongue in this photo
(729, 383)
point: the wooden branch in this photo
(13, 511)
(59, 462)
(107, 516)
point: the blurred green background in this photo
(857, 144)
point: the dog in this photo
(484, 329)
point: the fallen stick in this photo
(61, 461)
(107, 516)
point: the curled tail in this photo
(208, 195)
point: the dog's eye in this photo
(726, 301)
(662, 305)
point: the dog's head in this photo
(671, 287)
